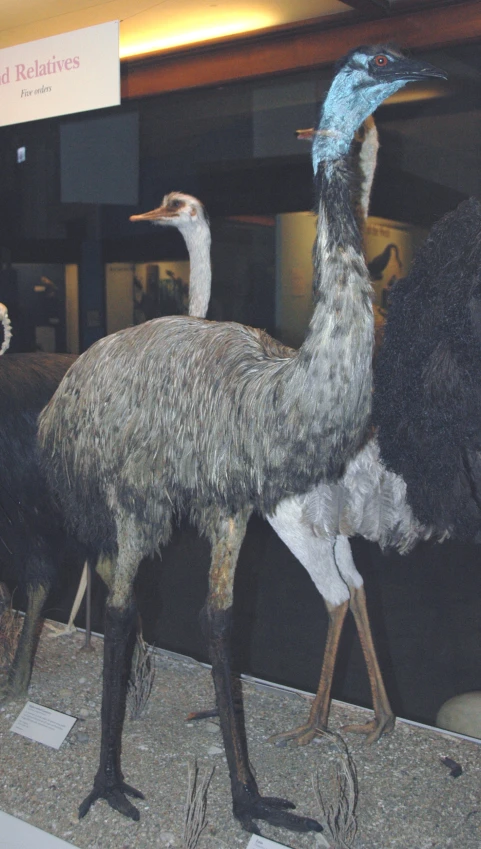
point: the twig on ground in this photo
(141, 678)
(195, 807)
(10, 627)
(339, 816)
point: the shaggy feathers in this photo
(428, 391)
(368, 501)
(30, 536)
(246, 439)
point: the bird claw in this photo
(116, 798)
(274, 811)
(298, 736)
(65, 631)
(374, 729)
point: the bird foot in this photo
(374, 729)
(5, 692)
(115, 795)
(274, 811)
(65, 631)
(12, 689)
(298, 736)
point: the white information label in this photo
(43, 724)
(72, 72)
(17, 834)
(257, 842)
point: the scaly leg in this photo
(384, 718)
(21, 668)
(247, 803)
(319, 712)
(118, 645)
(120, 627)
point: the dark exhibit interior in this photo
(234, 147)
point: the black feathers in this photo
(29, 528)
(428, 388)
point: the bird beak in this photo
(158, 214)
(306, 135)
(412, 70)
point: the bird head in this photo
(176, 210)
(364, 78)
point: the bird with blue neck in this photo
(365, 78)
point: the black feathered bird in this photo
(33, 544)
(428, 388)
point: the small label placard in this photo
(17, 834)
(43, 725)
(257, 842)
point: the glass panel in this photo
(235, 148)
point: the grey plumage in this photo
(182, 416)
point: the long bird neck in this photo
(367, 164)
(331, 373)
(341, 286)
(197, 240)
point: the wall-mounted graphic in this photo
(389, 247)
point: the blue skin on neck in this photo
(348, 103)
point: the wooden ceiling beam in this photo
(369, 7)
(308, 45)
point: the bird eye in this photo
(175, 204)
(380, 60)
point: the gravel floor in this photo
(407, 797)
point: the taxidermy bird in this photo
(428, 390)
(180, 416)
(368, 501)
(32, 541)
(189, 216)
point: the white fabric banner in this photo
(72, 72)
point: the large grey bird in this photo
(368, 500)
(181, 416)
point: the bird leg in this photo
(384, 718)
(247, 803)
(70, 628)
(120, 627)
(319, 713)
(21, 669)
